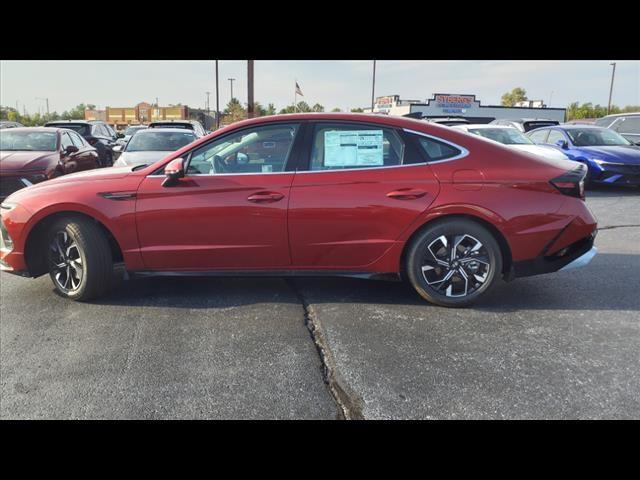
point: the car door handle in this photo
(407, 194)
(265, 197)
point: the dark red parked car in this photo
(32, 155)
(310, 194)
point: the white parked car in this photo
(512, 137)
(152, 144)
(128, 133)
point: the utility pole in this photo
(231, 80)
(250, 104)
(208, 93)
(47, 101)
(217, 99)
(613, 74)
(373, 86)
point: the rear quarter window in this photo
(437, 149)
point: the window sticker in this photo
(353, 148)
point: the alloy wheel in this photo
(456, 265)
(65, 262)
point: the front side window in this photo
(437, 150)
(628, 125)
(555, 136)
(539, 136)
(77, 140)
(255, 150)
(65, 141)
(340, 147)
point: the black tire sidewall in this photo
(418, 249)
(97, 277)
(65, 226)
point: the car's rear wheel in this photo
(80, 260)
(453, 262)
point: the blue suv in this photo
(610, 158)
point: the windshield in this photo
(508, 136)
(150, 141)
(82, 128)
(27, 141)
(132, 130)
(590, 137)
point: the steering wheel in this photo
(218, 165)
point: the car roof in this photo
(36, 129)
(166, 129)
(628, 114)
(173, 121)
(80, 122)
(487, 125)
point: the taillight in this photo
(571, 182)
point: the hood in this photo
(542, 151)
(137, 158)
(614, 153)
(25, 160)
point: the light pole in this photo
(217, 99)
(208, 93)
(231, 80)
(250, 105)
(373, 86)
(613, 74)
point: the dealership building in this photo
(467, 106)
(142, 113)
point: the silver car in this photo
(150, 145)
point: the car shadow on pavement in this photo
(610, 282)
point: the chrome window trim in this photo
(463, 151)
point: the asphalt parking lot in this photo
(564, 345)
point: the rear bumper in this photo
(575, 255)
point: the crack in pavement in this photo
(348, 405)
(611, 227)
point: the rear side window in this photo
(438, 150)
(340, 147)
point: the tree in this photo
(336, 109)
(317, 108)
(357, 110)
(235, 110)
(300, 107)
(516, 95)
(271, 109)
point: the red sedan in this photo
(310, 194)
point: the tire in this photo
(476, 267)
(79, 259)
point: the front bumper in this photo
(617, 175)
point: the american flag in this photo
(298, 91)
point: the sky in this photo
(342, 84)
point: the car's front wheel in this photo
(80, 260)
(453, 262)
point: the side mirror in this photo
(120, 135)
(562, 144)
(117, 148)
(71, 149)
(173, 172)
